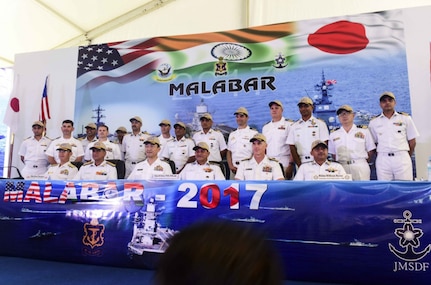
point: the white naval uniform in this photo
(67, 171)
(90, 171)
(303, 133)
(76, 144)
(163, 143)
(351, 149)
(239, 144)
(206, 171)
(215, 141)
(179, 151)
(276, 135)
(85, 142)
(267, 169)
(112, 151)
(312, 170)
(134, 150)
(35, 160)
(393, 161)
(144, 171)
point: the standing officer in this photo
(238, 144)
(304, 131)
(276, 132)
(90, 131)
(179, 150)
(165, 135)
(352, 146)
(32, 152)
(77, 149)
(214, 139)
(395, 135)
(133, 145)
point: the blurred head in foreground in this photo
(219, 253)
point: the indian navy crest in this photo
(93, 234)
(221, 67)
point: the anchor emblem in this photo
(93, 234)
(409, 239)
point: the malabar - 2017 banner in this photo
(338, 232)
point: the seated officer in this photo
(152, 165)
(320, 168)
(99, 168)
(65, 170)
(202, 169)
(259, 166)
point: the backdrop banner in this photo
(345, 232)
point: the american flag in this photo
(44, 105)
(120, 62)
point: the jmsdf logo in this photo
(409, 240)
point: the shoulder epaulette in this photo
(335, 129)
(110, 163)
(320, 119)
(71, 165)
(273, 159)
(81, 139)
(246, 159)
(404, 113)
(288, 120)
(145, 133)
(214, 163)
(47, 137)
(28, 138)
(87, 163)
(255, 129)
(362, 126)
(57, 138)
(267, 123)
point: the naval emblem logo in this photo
(409, 239)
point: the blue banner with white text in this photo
(339, 232)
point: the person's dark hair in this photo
(219, 253)
(104, 126)
(67, 122)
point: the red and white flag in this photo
(12, 115)
(44, 104)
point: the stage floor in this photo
(17, 271)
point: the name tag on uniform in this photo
(346, 177)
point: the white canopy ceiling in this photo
(34, 25)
